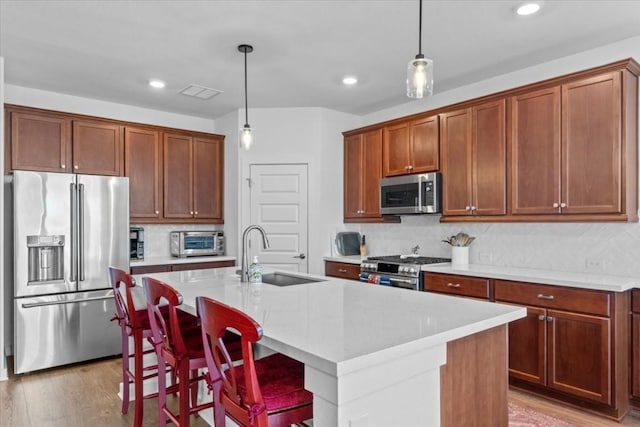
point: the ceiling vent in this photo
(201, 92)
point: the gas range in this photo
(396, 270)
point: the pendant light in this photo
(246, 134)
(420, 70)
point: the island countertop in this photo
(339, 325)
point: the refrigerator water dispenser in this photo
(46, 258)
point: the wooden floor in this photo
(86, 395)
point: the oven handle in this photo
(407, 281)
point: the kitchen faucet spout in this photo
(265, 244)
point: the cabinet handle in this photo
(563, 205)
(543, 296)
(556, 205)
(342, 270)
(453, 285)
(541, 316)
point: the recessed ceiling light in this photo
(350, 80)
(158, 84)
(528, 9)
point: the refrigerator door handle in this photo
(73, 301)
(74, 232)
(81, 237)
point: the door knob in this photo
(301, 256)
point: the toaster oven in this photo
(197, 243)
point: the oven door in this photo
(390, 280)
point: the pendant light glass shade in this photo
(420, 70)
(420, 77)
(246, 137)
(246, 134)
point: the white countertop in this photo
(175, 260)
(600, 282)
(339, 326)
(594, 281)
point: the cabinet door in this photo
(591, 145)
(40, 142)
(455, 131)
(535, 152)
(635, 355)
(579, 356)
(143, 166)
(371, 173)
(528, 348)
(489, 159)
(178, 170)
(396, 150)
(425, 143)
(208, 179)
(97, 148)
(352, 176)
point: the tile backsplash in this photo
(608, 248)
(156, 236)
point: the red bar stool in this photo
(260, 393)
(133, 323)
(177, 345)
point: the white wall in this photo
(534, 245)
(310, 136)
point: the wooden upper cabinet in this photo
(193, 178)
(473, 149)
(143, 166)
(208, 178)
(97, 148)
(535, 152)
(411, 147)
(591, 145)
(39, 142)
(574, 149)
(178, 173)
(362, 173)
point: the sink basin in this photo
(283, 279)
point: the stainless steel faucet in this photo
(265, 244)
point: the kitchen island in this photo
(374, 355)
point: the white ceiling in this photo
(109, 49)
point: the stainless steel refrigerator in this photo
(68, 229)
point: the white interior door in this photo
(279, 204)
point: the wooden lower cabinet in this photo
(635, 347)
(466, 286)
(343, 270)
(164, 268)
(572, 345)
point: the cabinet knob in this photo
(62, 166)
(473, 208)
(549, 319)
(541, 316)
(563, 205)
(75, 166)
(467, 208)
(556, 205)
(190, 212)
(157, 212)
(196, 213)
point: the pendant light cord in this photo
(246, 102)
(419, 31)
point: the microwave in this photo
(196, 243)
(411, 194)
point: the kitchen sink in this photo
(283, 279)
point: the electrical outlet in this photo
(594, 264)
(485, 257)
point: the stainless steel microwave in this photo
(197, 243)
(411, 194)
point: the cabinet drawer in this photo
(558, 297)
(201, 265)
(148, 269)
(343, 270)
(457, 285)
(635, 301)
